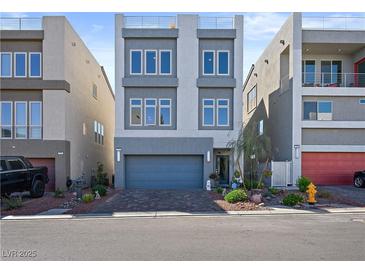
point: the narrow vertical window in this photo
(135, 112)
(165, 61)
(136, 62)
(165, 112)
(95, 91)
(261, 128)
(6, 120)
(208, 112)
(150, 62)
(223, 62)
(35, 121)
(95, 131)
(208, 62)
(20, 120)
(150, 112)
(252, 99)
(102, 134)
(35, 64)
(99, 133)
(309, 72)
(223, 112)
(6, 64)
(20, 64)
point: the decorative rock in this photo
(256, 198)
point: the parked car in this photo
(359, 179)
(18, 174)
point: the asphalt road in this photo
(278, 237)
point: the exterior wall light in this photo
(282, 42)
(208, 156)
(266, 61)
(118, 150)
(255, 74)
(297, 151)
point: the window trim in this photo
(228, 69)
(41, 119)
(208, 106)
(145, 111)
(11, 64)
(217, 109)
(145, 61)
(30, 64)
(130, 62)
(25, 64)
(26, 119)
(159, 111)
(130, 111)
(248, 101)
(159, 61)
(305, 73)
(203, 72)
(11, 122)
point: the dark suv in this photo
(18, 174)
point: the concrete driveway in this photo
(347, 193)
(159, 200)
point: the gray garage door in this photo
(164, 172)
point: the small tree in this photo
(101, 176)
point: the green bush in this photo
(87, 198)
(274, 191)
(99, 188)
(101, 176)
(219, 190)
(303, 183)
(58, 193)
(12, 202)
(293, 199)
(253, 185)
(238, 195)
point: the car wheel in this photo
(358, 182)
(37, 189)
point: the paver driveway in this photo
(159, 200)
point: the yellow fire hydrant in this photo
(311, 190)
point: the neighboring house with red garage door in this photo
(307, 91)
(57, 106)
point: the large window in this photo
(309, 72)
(252, 99)
(208, 112)
(98, 133)
(20, 120)
(222, 112)
(317, 110)
(331, 72)
(6, 120)
(20, 64)
(223, 62)
(35, 64)
(150, 62)
(136, 61)
(165, 112)
(208, 62)
(5, 64)
(35, 121)
(150, 112)
(135, 112)
(165, 62)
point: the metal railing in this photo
(17, 23)
(348, 80)
(206, 22)
(150, 22)
(333, 23)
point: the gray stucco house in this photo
(56, 104)
(178, 99)
(307, 92)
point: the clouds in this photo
(96, 28)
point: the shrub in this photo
(303, 183)
(274, 191)
(252, 184)
(219, 190)
(58, 193)
(238, 195)
(100, 189)
(293, 199)
(101, 176)
(12, 202)
(87, 198)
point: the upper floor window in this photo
(260, 128)
(331, 72)
(6, 120)
(222, 112)
(150, 112)
(208, 62)
(35, 64)
(252, 99)
(98, 133)
(6, 64)
(165, 62)
(208, 112)
(136, 61)
(362, 101)
(135, 112)
(95, 91)
(223, 62)
(309, 72)
(21, 120)
(20, 64)
(150, 61)
(321, 110)
(165, 112)
(35, 121)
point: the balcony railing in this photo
(150, 22)
(348, 80)
(333, 23)
(206, 22)
(15, 23)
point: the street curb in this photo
(160, 214)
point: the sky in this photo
(97, 31)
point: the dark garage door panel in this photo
(164, 172)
